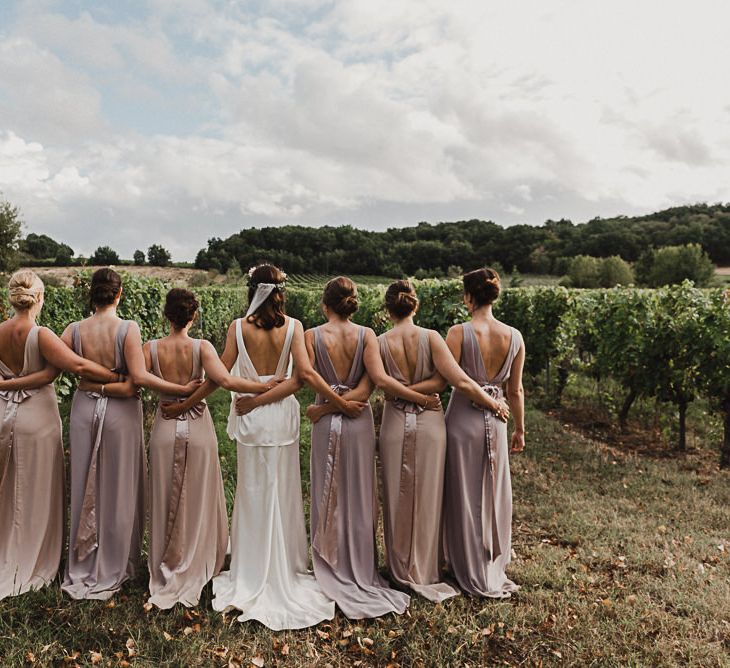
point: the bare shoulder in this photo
(455, 331)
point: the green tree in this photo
(673, 264)
(584, 272)
(104, 255)
(138, 257)
(615, 271)
(10, 227)
(158, 256)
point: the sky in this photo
(173, 121)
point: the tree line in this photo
(433, 249)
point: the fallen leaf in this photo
(234, 662)
(187, 631)
(285, 649)
(258, 661)
(166, 635)
(29, 657)
(147, 606)
(131, 647)
(96, 657)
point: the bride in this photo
(268, 578)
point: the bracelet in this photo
(102, 390)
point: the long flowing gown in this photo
(108, 480)
(188, 520)
(31, 480)
(412, 450)
(344, 503)
(268, 580)
(478, 490)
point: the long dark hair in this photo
(272, 312)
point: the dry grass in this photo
(623, 560)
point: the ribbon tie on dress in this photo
(325, 538)
(490, 531)
(7, 427)
(87, 539)
(174, 549)
(407, 487)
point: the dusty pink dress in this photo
(478, 491)
(412, 450)
(31, 480)
(188, 520)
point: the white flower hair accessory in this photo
(278, 286)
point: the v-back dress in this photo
(412, 450)
(31, 480)
(108, 479)
(268, 580)
(344, 503)
(188, 519)
(478, 490)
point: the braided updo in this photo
(26, 289)
(483, 286)
(105, 286)
(340, 296)
(401, 299)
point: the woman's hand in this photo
(353, 409)
(172, 409)
(271, 384)
(193, 385)
(245, 404)
(501, 410)
(518, 441)
(433, 402)
(315, 412)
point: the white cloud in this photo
(196, 118)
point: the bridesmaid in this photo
(31, 450)
(478, 492)
(412, 445)
(344, 503)
(268, 579)
(107, 449)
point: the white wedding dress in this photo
(269, 580)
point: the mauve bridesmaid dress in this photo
(478, 490)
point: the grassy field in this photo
(623, 560)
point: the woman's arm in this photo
(361, 393)
(122, 390)
(303, 354)
(433, 385)
(30, 382)
(217, 371)
(516, 396)
(447, 366)
(138, 372)
(60, 355)
(374, 365)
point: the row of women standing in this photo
(446, 483)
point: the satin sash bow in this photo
(490, 534)
(7, 427)
(87, 539)
(404, 517)
(173, 554)
(325, 537)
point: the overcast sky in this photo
(171, 121)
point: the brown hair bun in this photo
(25, 289)
(401, 299)
(340, 296)
(105, 286)
(180, 307)
(272, 312)
(483, 286)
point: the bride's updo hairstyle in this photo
(340, 296)
(105, 286)
(271, 313)
(26, 289)
(483, 286)
(180, 307)
(401, 299)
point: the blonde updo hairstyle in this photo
(26, 289)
